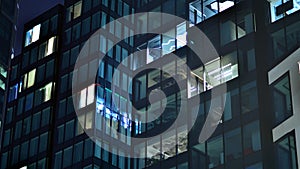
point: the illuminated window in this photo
(3, 71)
(45, 93)
(31, 78)
(77, 9)
(51, 46)
(281, 8)
(200, 11)
(32, 35)
(73, 11)
(82, 98)
(213, 73)
(90, 94)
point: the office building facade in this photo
(8, 19)
(50, 125)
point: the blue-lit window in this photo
(200, 10)
(13, 93)
(32, 35)
(29, 101)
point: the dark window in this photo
(24, 151)
(88, 148)
(86, 26)
(7, 138)
(33, 146)
(282, 99)
(96, 3)
(105, 3)
(60, 133)
(44, 28)
(25, 59)
(15, 156)
(78, 151)
(58, 160)
(36, 119)
(18, 130)
(120, 7)
(50, 69)
(64, 83)
(286, 153)
(42, 163)
(4, 159)
(9, 7)
(87, 4)
(20, 106)
(69, 130)
(70, 107)
(74, 55)
(67, 157)
(46, 113)
(251, 134)
(43, 142)
(62, 108)
(65, 59)
(96, 21)
(33, 55)
(76, 31)
(233, 145)
(53, 23)
(215, 152)
(9, 115)
(14, 72)
(67, 36)
(249, 97)
(26, 126)
(41, 73)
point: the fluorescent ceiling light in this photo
(223, 6)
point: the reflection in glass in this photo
(282, 99)
(215, 152)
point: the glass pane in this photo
(252, 141)
(282, 100)
(215, 152)
(233, 145)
